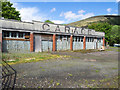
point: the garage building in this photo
(36, 36)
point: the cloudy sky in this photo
(64, 12)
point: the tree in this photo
(48, 21)
(102, 27)
(115, 35)
(8, 11)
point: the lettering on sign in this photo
(89, 32)
(75, 30)
(82, 30)
(67, 29)
(57, 28)
(46, 27)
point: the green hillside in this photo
(111, 19)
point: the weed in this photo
(97, 71)
(23, 86)
(14, 58)
(51, 81)
(57, 84)
(43, 69)
(86, 51)
(114, 68)
(40, 67)
(70, 74)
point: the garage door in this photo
(16, 46)
(37, 42)
(63, 43)
(77, 43)
(47, 43)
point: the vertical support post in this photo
(54, 42)
(1, 41)
(103, 42)
(31, 42)
(84, 42)
(71, 42)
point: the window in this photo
(99, 40)
(67, 38)
(27, 34)
(61, 38)
(88, 39)
(78, 39)
(73, 39)
(13, 34)
(6, 34)
(20, 35)
(81, 39)
(92, 39)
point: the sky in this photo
(65, 0)
(64, 12)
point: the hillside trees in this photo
(112, 32)
(102, 27)
(115, 35)
(8, 11)
(48, 21)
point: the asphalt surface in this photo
(76, 71)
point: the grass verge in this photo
(15, 58)
(86, 51)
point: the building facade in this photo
(35, 36)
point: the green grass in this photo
(97, 71)
(114, 68)
(103, 83)
(117, 49)
(70, 74)
(57, 84)
(114, 47)
(87, 51)
(14, 58)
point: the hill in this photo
(112, 19)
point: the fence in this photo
(8, 76)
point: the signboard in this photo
(63, 29)
(54, 28)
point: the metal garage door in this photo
(37, 43)
(63, 43)
(16, 46)
(99, 43)
(77, 43)
(89, 43)
(47, 42)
